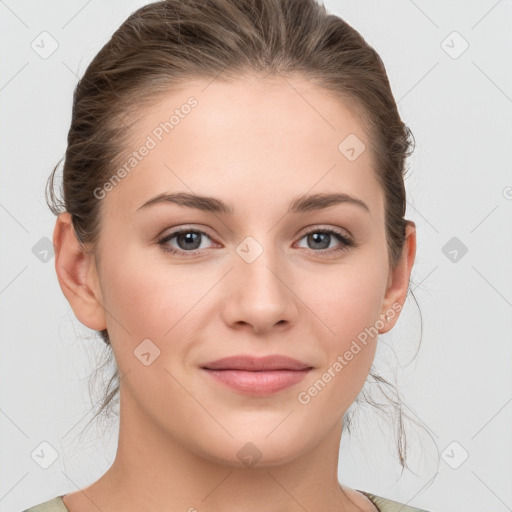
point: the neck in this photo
(154, 471)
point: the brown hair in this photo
(165, 44)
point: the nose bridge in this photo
(259, 294)
(257, 265)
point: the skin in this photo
(256, 143)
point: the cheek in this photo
(350, 300)
(349, 304)
(145, 298)
(349, 312)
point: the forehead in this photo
(254, 140)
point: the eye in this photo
(321, 238)
(188, 241)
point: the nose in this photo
(259, 295)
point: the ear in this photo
(77, 275)
(398, 282)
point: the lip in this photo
(257, 375)
(252, 363)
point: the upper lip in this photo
(252, 363)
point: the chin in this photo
(257, 448)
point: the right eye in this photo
(188, 239)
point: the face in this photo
(186, 283)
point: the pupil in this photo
(316, 236)
(189, 238)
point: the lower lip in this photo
(258, 383)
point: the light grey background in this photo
(459, 107)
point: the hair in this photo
(163, 45)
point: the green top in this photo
(383, 505)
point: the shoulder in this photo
(386, 505)
(383, 504)
(54, 505)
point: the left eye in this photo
(189, 241)
(323, 237)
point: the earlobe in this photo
(77, 275)
(399, 280)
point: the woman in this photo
(263, 134)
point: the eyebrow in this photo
(300, 204)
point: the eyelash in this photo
(341, 237)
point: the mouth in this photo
(257, 375)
